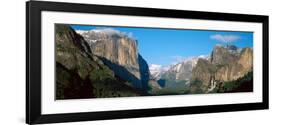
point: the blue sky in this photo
(167, 46)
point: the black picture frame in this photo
(33, 61)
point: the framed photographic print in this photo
(95, 62)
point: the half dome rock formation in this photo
(120, 53)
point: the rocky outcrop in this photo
(120, 53)
(224, 55)
(227, 63)
(246, 59)
(235, 64)
(202, 73)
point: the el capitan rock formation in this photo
(120, 53)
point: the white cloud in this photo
(107, 31)
(178, 58)
(225, 38)
(203, 56)
(156, 70)
(154, 67)
(111, 31)
(81, 31)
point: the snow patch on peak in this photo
(177, 67)
(154, 67)
(157, 70)
(109, 32)
(81, 31)
(193, 60)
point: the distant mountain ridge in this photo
(157, 70)
(176, 77)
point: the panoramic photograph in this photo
(113, 61)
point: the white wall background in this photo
(12, 64)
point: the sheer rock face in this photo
(235, 66)
(121, 52)
(246, 58)
(224, 55)
(203, 72)
(226, 64)
(144, 72)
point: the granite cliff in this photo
(120, 53)
(227, 63)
